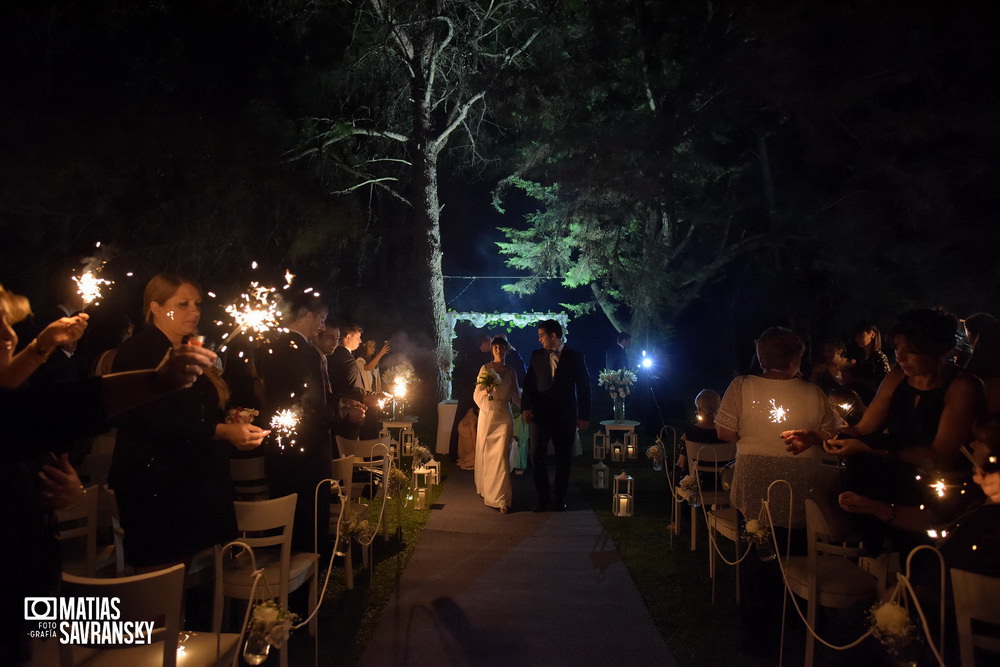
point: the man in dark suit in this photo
(555, 402)
(616, 357)
(294, 374)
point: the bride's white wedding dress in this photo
(493, 437)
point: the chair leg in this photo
(694, 528)
(810, 640)
(313, 597)
(348, 568)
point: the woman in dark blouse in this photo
(170, 467)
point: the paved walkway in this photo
(518, 589)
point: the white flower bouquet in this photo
(271, 623)
(892, 626)
(489, 380)
(689, 490)
(617, 382)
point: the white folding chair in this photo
(150, 596)
(249, 478)
(827, 577)
(77, 527)
(266, 526)
(976, 597)
(709, 459)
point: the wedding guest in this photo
(556, 404)
(368, 361)
(828, 372)
(983, 333)
(755, 410)
(921, 416)
(295, 378)
(170, 468)
(616, 357)
(867, 362)
(706, 405)
(64, 364)
(84, 408)
(496, 389)
(468, 361)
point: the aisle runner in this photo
(520, 589)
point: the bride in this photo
(496, 427)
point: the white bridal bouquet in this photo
(489, 380)
(617, 382)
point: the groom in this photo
(555, 402)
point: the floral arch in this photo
(508, 320)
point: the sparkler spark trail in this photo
(257, 310)
(778, 413)
(89, 284)
(285, 424)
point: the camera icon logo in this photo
(40, 609)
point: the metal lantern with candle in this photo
(435, 471)
(600, 475)
(617, 452)
(623, 499)
(631, 446)
(600, 445)
(421, 480)
(408, 442)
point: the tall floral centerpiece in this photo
(619, 385)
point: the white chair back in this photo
(143, 596)
(976, 597)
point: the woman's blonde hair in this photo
(161, 287)
(18, 307)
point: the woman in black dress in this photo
(170, 469)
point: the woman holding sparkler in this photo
(495, 389)
(910, 436)
(754, 412)
(170, 468)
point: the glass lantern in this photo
(421, 480)
(600, 446)
(617, 452)
(600, 475)
(623, 499)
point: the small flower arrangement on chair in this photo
(892, 626)
(269, 626)
(689, 491)
(758, 533)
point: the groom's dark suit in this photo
(556, 403)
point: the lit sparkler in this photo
(284, 425)
(399, 388)
(778, 413)
(257, 310)
(89, 285)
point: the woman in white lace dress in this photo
(756, 410)
(495, 429)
